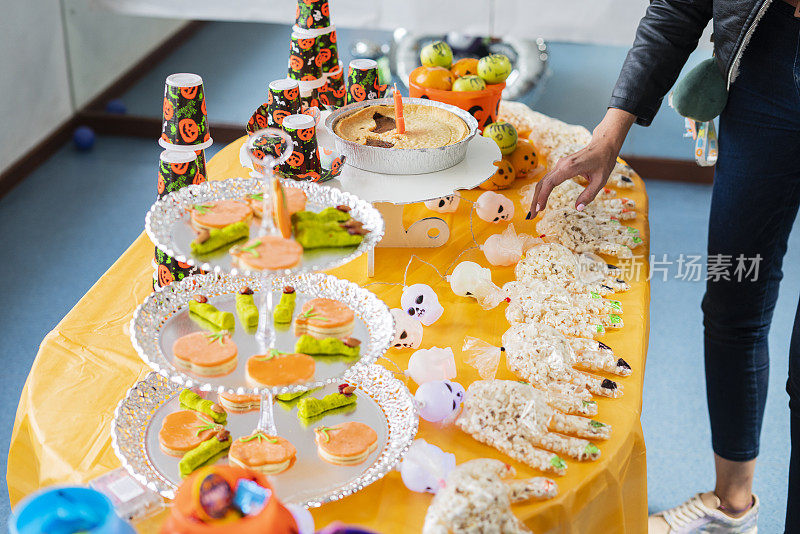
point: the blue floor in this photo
(101, 198)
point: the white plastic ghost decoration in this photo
(507, 248)
(431, 364)
(439, 401)
(421, 301)
(469, 279)
(407, 330)
(494, 208)
(425, 467)
(447, 204)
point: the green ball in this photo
(469, 83)
(702, 94)
(504, 134)
(494, 68)
(436, 54)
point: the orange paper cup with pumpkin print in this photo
(313, 14)
(363, 82)
(303, 59)
(334, 93)
(483, 105)
(304, 162)
(185, 123)
(177, 169)
(169, 270)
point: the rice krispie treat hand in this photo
(477, 498)
(581, 232)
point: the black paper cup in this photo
(303, 59)
(283, 99)
(313, 14)
(310, 99)
(185, 124)
(169, 270)
(176, 170)
(327, 52)
(201, 166)
(304, 162)
(334, 92)
(258, 120)
(362, 81)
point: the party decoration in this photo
(467, 66)
(524, 159)
(469, 279)
(425, 467)
(436, 54)
(478, 495)
(362, 81)
(407, 330)
(504, 134)
(314, 14)
(494, 68)
(494, 208)
(421, 301)
(437, 78)
(169, 270)
(177, 169)
(439, 401)
(447, 204)
(185, 123)
(427, 365)
(334, 93)
(502, 178)
(283, 99)
(304, 162)
(302, 58)
(469, 83)
(507, 248)
(327, 51)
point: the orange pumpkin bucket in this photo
(483, 105)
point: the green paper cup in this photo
(313, 14)
(185, 124)
(304, 162)
(176, 170)
(169, 270)
(303, 59)
(334, 93)
(362, 81)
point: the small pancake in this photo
(323, 317)
(219, 214)
(268, 253)
(183, 431)
(206, 354)
(278, 369)
(347, 443)
(258, 451)
(239, 403)
(295, 201)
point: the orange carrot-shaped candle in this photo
(399, 120)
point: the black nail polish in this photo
(528, 216)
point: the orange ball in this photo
(465, 67)
(524, 158)
(432, 78)
(502, 178)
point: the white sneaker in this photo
(694, 517)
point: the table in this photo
(86, 364)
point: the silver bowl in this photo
(401, 160)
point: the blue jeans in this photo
(754, 205)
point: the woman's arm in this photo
(666, 36)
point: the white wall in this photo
(38, 64)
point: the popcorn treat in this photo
(581, 232)
(477, 497)
(606, 204)
(578, 273)
(541, 355)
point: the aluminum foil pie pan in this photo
(401, 160)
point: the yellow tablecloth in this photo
(86, 365)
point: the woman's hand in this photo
(595, 162)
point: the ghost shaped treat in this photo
(469, 279)
(447, 204)
(494, 208)
(427, 365)
(420, 301)
(439, 401)
(407, 330)
(425, 467)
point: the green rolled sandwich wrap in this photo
(192, 401)
(247, 310)
(220, 237)
(325, 235)
(209, 312)
(282, 314)
(331, 346)
(211, 449)
(327, 215)
(309, 407)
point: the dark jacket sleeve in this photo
(667, 34)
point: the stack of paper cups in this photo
(314, 22)
(334, 93)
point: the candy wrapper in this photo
(303, 59)
(185, 123)
(177, 169)
(507, 248)
(469, 279)
(483, 356)
(362, 81)
(304, 162)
